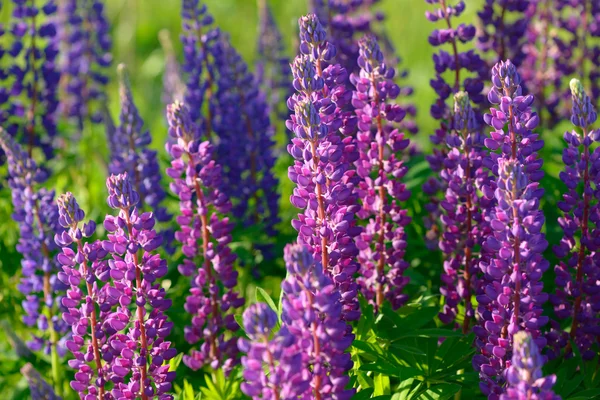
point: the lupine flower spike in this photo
(205, 235)
(36, 213)
(512, 295)
(131, 154)
(524, 376)
(579, 271)
(324, 151)
(273, 362)
(463, 216)
(38, 387)
(126, 341)
(312, 311)
(383, 243)
(466, 68)
(29, 106)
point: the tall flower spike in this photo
(324, 150)
(35, 211)
(173, 85)
(512, 295)
(524, 376)
(272, 65)
(131, 154)
(383, 242)
(38, 387)
(245, 146)
(205, 235)
(200, 44)
(312, 310)
(31, 104)
(579, 270)
(86, 57)
(273, 362)
(504, 27)
(466, 67)
(463, 212)
(126, 341)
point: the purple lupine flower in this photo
(383, 242)
(205, 235)
(324, 150)
(200, 46)
(576, 293)
(245, 145)
(503, 29)
(524, 376)
(466, 68)
(276, 353)
(541, 68)
(35, 211)
(312, 314)
(463, 212)
(32, 101)
(131, 154)
(126, 341)
(272, 67)
(85, 60)
(39, 389)
(512, 294)
(173, 85)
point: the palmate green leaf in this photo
(430, 333)
(382, 384)
(262, 296)
(402, 348)
(585, 395)
(442, 391)
(403, 390)
(363, 394)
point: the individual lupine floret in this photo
(512, 294)
(383, 242)
(35, 211)
(466, 67)
(503, 31)
(525, 378)
(131, 154)
(126, 342)
(245, 146)
(29, 106)
(324, 150)
(272, 68)
(463, 212)
(312, 314)
(39, 389)
(273, 362)
(205, 235)
(85, 59)
(200, 45)
(579, 270)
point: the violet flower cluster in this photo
(245, 143)
(86, 58)
(525, 378)
(36, 213)
(312, 314)
(273, 367)
(465, 68)
(382, 244)
(116, 305)
(512, 294)
(324, 150)
(272, 67)
(504, 29)
(28, 106)
(173, 85)
(200, 45)
(462, 212)
(130, 153)
(579, 270)
(205, 235)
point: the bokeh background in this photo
(135, 28)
